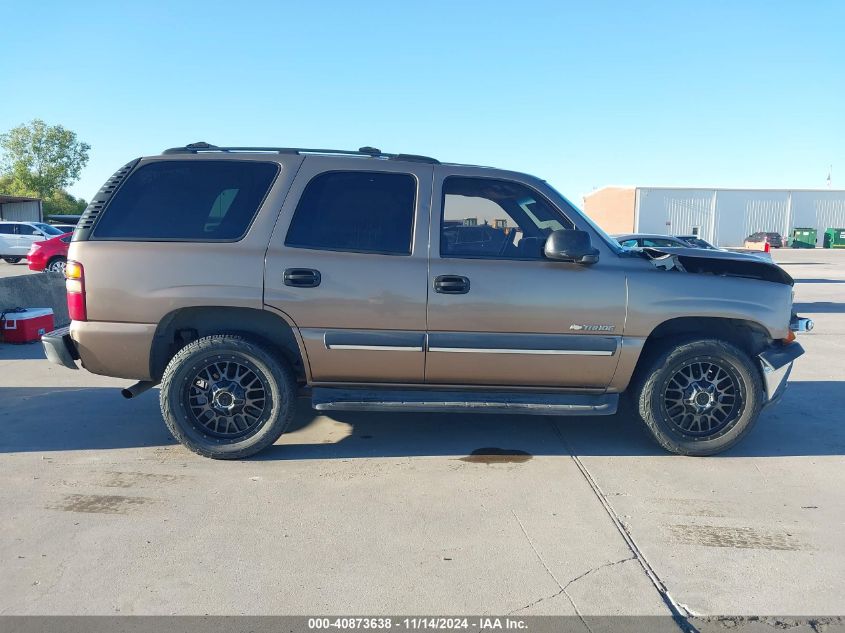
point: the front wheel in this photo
(699, 397)
(227, 397)
(12, 260)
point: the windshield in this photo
(48, 229)
(613, 244)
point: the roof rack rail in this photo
(372, 152)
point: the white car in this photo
(17, 237)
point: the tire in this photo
(12, 260)
(675, 411)
(56, 265)
(260, 404)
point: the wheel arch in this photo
(179, 327)
(749, 336)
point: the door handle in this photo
(302, 277)
(451, 285)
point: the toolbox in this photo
(26, 326)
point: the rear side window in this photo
(194, 200)
(7, 229)
(354, 211)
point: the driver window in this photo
(495, 219)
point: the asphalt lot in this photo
(13, 270)
(102, 513)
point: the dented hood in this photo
(723, 263)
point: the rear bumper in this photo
(60, 348)
(776, 365)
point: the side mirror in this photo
(570, 245)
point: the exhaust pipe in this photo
(137, 389)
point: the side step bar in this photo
(424, 400)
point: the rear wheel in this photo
(57, 265)
(699, 397)
(227, 397)
(12, 260)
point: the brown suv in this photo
(240, 277)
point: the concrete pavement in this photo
(102, 513)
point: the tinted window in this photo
(495, 218)
(630, 243)
(7, 229)
(26, 229)
(364, 212)
(66, 239)
(187, 200)
(696, 242)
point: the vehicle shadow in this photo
(805, 423)
(801, 424)
(819, 307)
(820, 281)
(22, 351)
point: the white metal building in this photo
(721, 216)
(20, 209)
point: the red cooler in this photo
(26, 326)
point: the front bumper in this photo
(776, 364)
(60, 348)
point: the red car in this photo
(50, 254)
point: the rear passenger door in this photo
(347, 263)
(27, 236)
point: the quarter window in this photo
(353, 211)
(495, 219)
(187, 200)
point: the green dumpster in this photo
(834, 238)
(803, 238)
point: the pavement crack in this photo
(563, 589)
(680, 613)
(551, 574)
(590, 571)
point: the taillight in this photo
(75, 285)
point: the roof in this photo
(372, 152)
(4, 199)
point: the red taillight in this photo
(75, 285)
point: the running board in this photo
(422, 400)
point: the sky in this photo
(583, 94)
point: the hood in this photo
(723, 263)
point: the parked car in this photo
(17, 237)
(763, 241)
(238, 278)
(648, 240)
(49, 255)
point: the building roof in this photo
(4, 199)
(704, 188)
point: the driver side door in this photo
(499, 313)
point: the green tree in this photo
(42, 159)
(62, 203)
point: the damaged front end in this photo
(720, 263)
